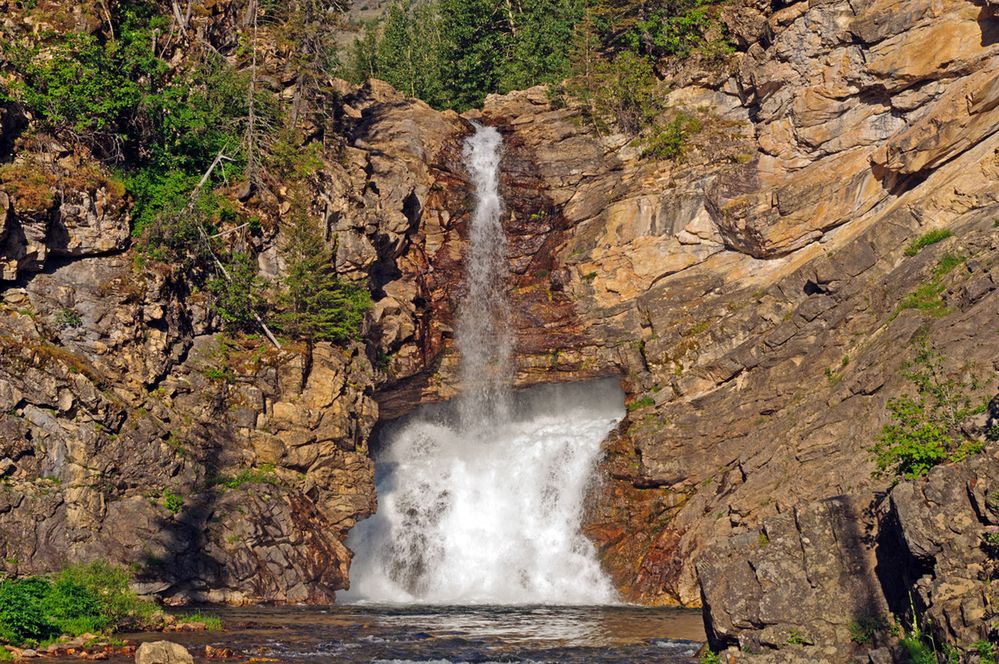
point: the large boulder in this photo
(823, 581)
(162, 652)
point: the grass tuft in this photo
(926, 239)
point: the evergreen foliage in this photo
(452, 53)
(238, 296)
(616, 94)
(317, 304)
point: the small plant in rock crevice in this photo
(644, 402)
(67, 318)
(709, 657)
(171, 501)
(928, 428)
(926, 239)
(928, 298)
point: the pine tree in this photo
(318, 305)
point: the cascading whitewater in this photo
(480, 501)
(483, 332)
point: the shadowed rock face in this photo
(820, 576)
(226, 471)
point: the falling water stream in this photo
(480, 501)
(475, 553)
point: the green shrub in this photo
(670, 142)
(863, 630)
(919, 652)
(171, 501)
(986, 652)
(927, 428)
(111, 585)
(74, 608)
(92, 597)
(89, 85)
(22, 614)
(926, 239)
(709, 657)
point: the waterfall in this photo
(481, 500)
(483, 333)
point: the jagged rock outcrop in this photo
(227, 471)
(821, 582)
(59, 203)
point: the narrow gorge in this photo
(733, 354)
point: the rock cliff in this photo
(755, 297)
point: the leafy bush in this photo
(670, 142)
(986, 652)
(22, 613)
(88, 85)
(74, 608)
(865, 629)
(926, 239)
(110, 584)
(927, 429)
(91, 598)
(171, 501)
(709, 657)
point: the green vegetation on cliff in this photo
(198, 140)
(931, 426)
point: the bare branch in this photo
(219, 158)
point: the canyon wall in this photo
(755, 297)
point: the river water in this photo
(453, 634)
